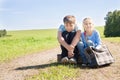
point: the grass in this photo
(19, 43)
(62, 72)
(57, 72)
(110, 39)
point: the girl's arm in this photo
(98, 40)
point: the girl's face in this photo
(69, 26)
(88, 25)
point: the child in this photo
(90, 37)
(68, 37)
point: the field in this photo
(23, 43)
(19, 43)
(56, 71)
(110, 39)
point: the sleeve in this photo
(98, 39)
(78, 28)
(83, 39)
(61, 28)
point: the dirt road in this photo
(28, 65)
(8, 71)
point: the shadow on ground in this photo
(57, 64)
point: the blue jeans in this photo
(81, 48)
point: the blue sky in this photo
(43, 14)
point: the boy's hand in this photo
(70, 48)
(70, 54)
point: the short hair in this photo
(69, 19)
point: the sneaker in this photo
(64, 60)
(72, 61)
(84, 65)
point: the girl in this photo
(90, 37)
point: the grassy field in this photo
(67, 72)
(111, 39)
(18, 43)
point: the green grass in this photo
(101, 31)
(18, 43)
(57, 72)
(62, 72)
(110, 39)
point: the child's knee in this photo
(90, 43)
(80, 44)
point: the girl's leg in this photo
(90, 43)
(80, 46)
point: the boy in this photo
(68, 37)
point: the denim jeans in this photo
(81, 48)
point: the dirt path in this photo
(29, 65)
(111, 72)
(8, 71)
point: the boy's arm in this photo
(76, 38)
(62, 41)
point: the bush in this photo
(112, 24)
(3, 32)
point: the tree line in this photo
(112, 24)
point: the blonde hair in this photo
(87, 18)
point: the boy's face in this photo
(88, 25)
(69, 26)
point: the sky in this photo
(46, 14)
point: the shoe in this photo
(72, 61)
(84, 65)
(64, 60)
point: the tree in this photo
(3, 32)
(112, 24)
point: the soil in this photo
(28, 65)
(25, 66)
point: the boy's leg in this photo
(69, 40)
(80, 46)
(64, 50)
(68, 37)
